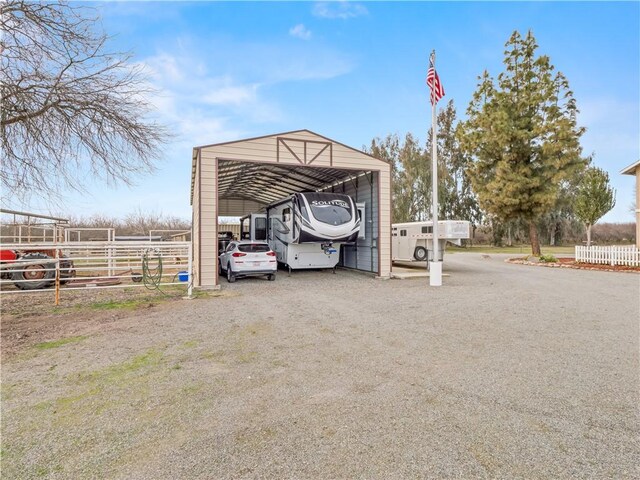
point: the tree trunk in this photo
(509, 239)
(588, 235)
(533, 238)
(552, 236)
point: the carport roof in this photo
(267, 182)
(631, 169)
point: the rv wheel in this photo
(420, 254)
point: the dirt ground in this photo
(32, 318)
(503, 372)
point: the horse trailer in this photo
(413, 241)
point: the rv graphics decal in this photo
(329, 203)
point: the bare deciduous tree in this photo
(69, 108)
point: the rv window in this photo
(403, 233)
(427, 229)
(286, 215)
(254, 248)
(260, 228)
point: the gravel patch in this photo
(503, 372)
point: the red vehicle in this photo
(34, 269)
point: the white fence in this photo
(75, 265)
(610, 255)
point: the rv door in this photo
(258, 227)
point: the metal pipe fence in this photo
(57, 267)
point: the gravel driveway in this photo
(506, 371)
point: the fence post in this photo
(57, 303)
(612, 255)
(110, 261)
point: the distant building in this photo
(635, 170)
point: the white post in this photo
(190, 274)
(435, 267)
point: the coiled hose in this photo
(152, 277)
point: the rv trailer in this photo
(306, 230)
(413, 241)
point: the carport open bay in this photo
(505, 371)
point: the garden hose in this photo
(152, 277)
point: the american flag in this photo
(437, 90)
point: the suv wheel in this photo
(230, 276)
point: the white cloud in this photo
(200, 108)
(300, 31)
(231, 95)
(208, 92)
(341, 9)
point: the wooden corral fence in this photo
(628, 255)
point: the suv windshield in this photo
(254, 248)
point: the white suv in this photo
(244, 258)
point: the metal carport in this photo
(241, 177)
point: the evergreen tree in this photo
(411, 178)
(456, 200)
(594, 198)
(523, 136)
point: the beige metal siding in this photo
(384, 208)
(195, 225)
(208, 223)
(267, 150)
(233, 207)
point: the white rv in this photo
(413, 241)
(306, 230)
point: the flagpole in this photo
(435, 266)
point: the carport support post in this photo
(435, 267)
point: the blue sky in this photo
(355, 71)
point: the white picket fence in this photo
(610, 255)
